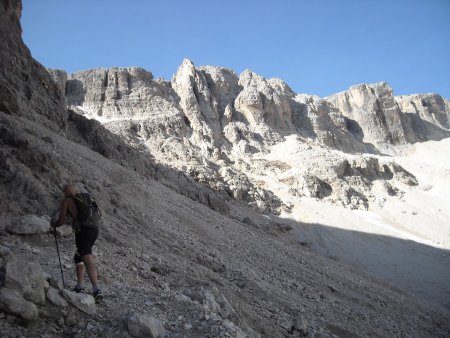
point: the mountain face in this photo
(170, 164)
(211, 98)
(26, 89)
(219, 128)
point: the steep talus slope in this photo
(163, 250)
(158, 249)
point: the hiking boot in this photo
(78, 289)
(98, 296)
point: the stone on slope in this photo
(12, 301)
(54, 296)
(27, 278)
(83, 302)
(142, 325)
(301, 325)
(29, 224)
(312, 186)
(214, 301)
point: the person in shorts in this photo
(85, 238)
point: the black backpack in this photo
(88, 212)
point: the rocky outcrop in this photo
(316, 117)
(198, 104)
(119, 93)
(26, 88)
(265, 101)
(430, 108)
(60, 78)
(372, 109)
(429, 115)
(224, 87)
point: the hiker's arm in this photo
(62, 214)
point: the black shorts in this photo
(84, 240)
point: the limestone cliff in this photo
(374, 113)
(429, 115)
(217, 127)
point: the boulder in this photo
(72, 317)
(142, 325)
(83, 302)
(27, 278)
(28, 225)
(12, 301)
(301, 325)
(286, 322)
(54, 296)
(312, 186)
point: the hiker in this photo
(85, 236)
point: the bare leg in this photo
(80, 270)
(89, 262)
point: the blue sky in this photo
(317, 47)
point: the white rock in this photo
(54, 296)
(64, 230)
(83, 302)
(13, 302)
(26, 277)
(29, 224)
(374, 108)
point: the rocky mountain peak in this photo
(212, 119)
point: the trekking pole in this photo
(59, 257)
